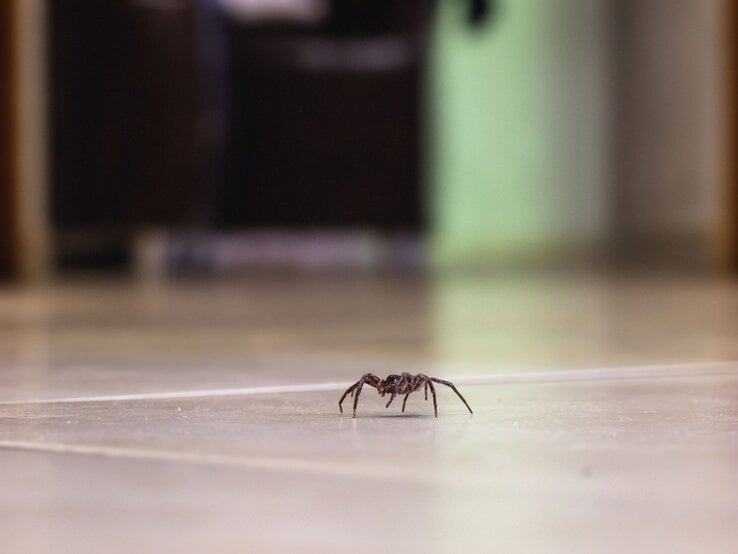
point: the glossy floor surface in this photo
(203, 417)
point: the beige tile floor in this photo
(202, 417)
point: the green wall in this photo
(519, 132)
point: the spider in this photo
(399, 384)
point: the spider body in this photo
(404, 384)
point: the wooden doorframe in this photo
(9, 256)
(731, 136)
(24, 229)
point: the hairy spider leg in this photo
(345, 394)
(391, 399)
(358, 392)
(370, 378)
(415, 385)
(450, 384)
(404, 401)
(433, 392)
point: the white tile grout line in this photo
(172, 395)
(539, 377)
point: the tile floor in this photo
(202, 417)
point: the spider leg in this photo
(404, 402)
(345, 394)
(433, 392)
(391, 399)
(359, 386)
(415, 383)
(450, 384)
(355, 389)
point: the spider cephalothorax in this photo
(398, 384)
(388, 384)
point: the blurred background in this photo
(172, 137)
(215, 215)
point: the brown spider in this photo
(398, 384)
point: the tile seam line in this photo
(624, 373)
(242, 462)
